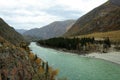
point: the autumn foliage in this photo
(43, 70)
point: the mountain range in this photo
(54, 29)
(21, 31)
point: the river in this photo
(75, 67)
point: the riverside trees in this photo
(79, 44)
(67, 43)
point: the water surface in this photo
(76, 67)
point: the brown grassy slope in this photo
(14, 63)
(17, 63)
(101, 19)
(113, 35)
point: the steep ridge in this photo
(9, 33)
(54, 29)
(101, 19)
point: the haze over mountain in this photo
(101, 19)
(9, 33)
(54, 29)
(21, 31)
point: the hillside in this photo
(18, 62)
(9, 33)
(114, 36)
(101, 19)
(14, 64)
(54, 29)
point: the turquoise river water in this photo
(75, 67)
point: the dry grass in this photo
(113, 35)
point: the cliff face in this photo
(9, 33)
(101, 19)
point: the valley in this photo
(60, 40)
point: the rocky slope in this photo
(17, 62)
(9, 33)
(54, 29)
(14, 62)
(101, 19)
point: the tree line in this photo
(73, 43)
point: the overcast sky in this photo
(27, 14)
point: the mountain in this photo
(9, 33)
(101, 19)
(17, 62)
(14, 62)
(21, 31)
(54, 29)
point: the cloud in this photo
(63, 12)
(37, 13)
(81, 5)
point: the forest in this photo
(79, 44)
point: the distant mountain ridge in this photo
(21, 31)
(9, 33)
(101, 19)
(54, 29)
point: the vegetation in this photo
(19, 63)
(78, 44)
(114, 36)
(42, 70)
(67, 43)
(101, 19)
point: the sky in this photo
(28, 14)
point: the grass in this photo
(113, 35)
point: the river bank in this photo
(111, 55)
(76, 67)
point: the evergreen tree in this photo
(107, 42)
(43, 65)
